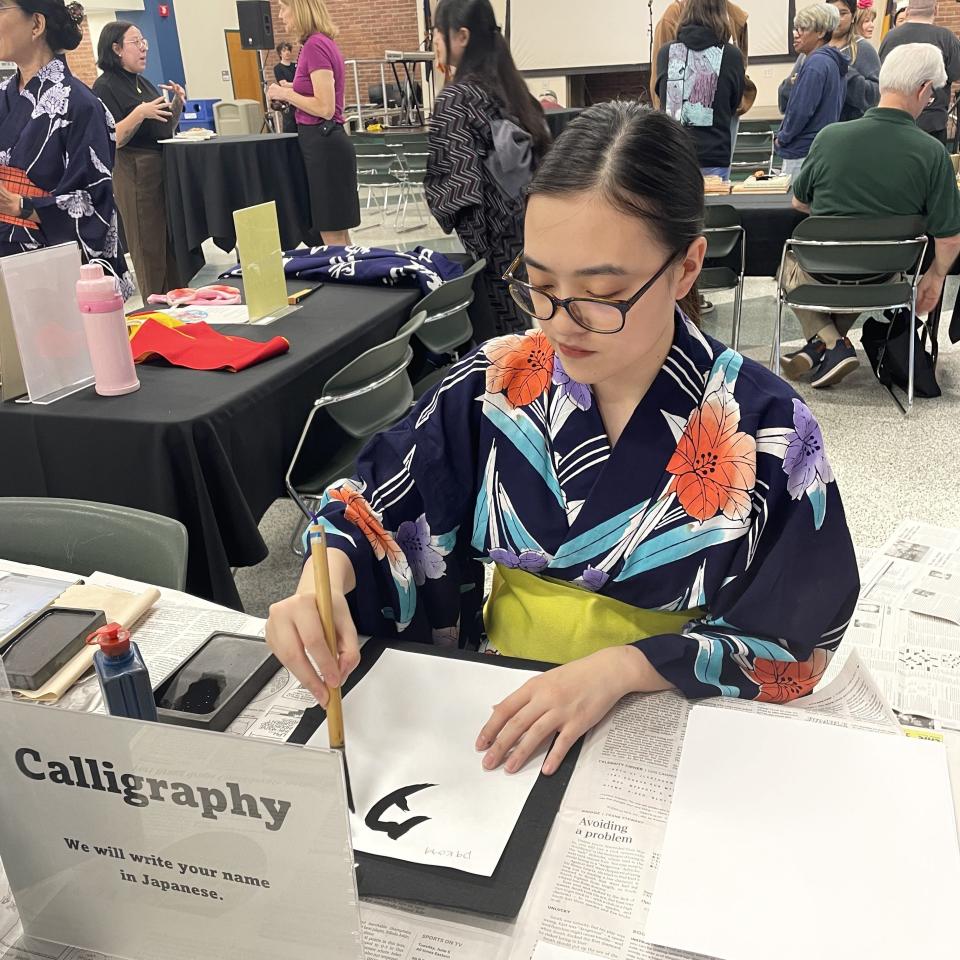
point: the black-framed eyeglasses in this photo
(596, 314)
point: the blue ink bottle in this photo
(124, 680)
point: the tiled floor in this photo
(888, 467)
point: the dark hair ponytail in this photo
(642, 162)
(487, 62)
(64, 22)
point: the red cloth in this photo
(17, 182)
(198, 346)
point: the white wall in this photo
(101, 12)
(201, 24)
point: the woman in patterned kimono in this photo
(660, 511)
(462, 191)
(55, 133)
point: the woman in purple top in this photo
(317, 97)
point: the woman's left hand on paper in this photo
(567, 702)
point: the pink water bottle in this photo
(106, 329)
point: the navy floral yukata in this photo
(718, 499)
(57, 132)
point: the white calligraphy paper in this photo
(420, 790)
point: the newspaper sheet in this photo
(593, 888)
(906, 627)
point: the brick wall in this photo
(367, 29)
(83, 61)
(948, 15)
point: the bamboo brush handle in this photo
(321, 581)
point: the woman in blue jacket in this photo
(819, 89)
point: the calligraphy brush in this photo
(321, 583)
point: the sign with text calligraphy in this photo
(155, 842)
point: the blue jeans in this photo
(722, 172)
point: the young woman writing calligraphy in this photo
(660, 511)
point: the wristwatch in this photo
(27, 208)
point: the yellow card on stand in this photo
(261, 259)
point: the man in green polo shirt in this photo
(879, 166)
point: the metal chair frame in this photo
(783, 298)
(738, 297)
(407, 172)
(353, 392)
(746, 135)
(387, 185)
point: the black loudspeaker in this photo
(256, 24)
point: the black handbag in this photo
(887, 345)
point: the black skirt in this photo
(331, 163)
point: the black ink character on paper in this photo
(398, 798)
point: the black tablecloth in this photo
(206, 182)
(559, 120)
(209, 449)
(768, 221)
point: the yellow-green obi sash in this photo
(535, 618)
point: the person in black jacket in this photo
(701, 78)
(285, 72)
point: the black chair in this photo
(725, 235)
(861, 265)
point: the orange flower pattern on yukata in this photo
(781, 681)
(521, 367)
(715, 465)
(362, 515)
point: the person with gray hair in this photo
(882, 165)
(819, 89)
(920, 28)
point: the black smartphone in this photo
(214, 685)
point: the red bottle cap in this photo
(112, 639)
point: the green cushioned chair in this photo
(82, 537)
(368, 395)
(379, 169)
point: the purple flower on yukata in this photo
(805, 461)
(594, 579)
(423, 552)
(531, 561)
(579, 393)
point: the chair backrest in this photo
(374, 391)
(82, 537)
(377, 164)
(846, 248)
(375, 93)
(723, 229)
(447, 325)
(413, 151)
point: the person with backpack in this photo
(487, 136)
(701, 82)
